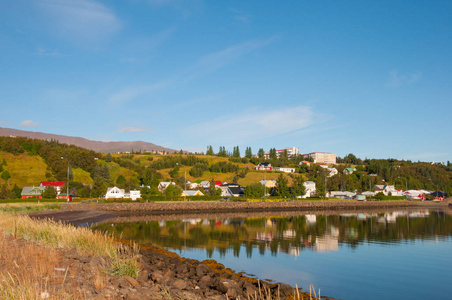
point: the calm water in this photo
(404, 254)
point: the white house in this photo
(341, 194)
(117, 193)
(283, 169)
(114, 193)
(332, 171)
(385, 189)
(164, 184)
(133, 194)
(193, 185)
(309, 188)
(205, 184)
(368, 194)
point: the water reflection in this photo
(290, 235)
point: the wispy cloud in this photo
(133, 92)
(43, 52)
(28, 123)
(254, 125)
(134, 129)
(86, 21)
(139, 49)
(215, 61)
(396, 79)
(241, 16)
(202, 67)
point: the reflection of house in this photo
(32, 192)
(57, 185)
(309, 188)
(268, 183)
(311, 219)
(191, 193)
(328, 242)
(163, 185)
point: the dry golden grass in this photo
(58, 235)
(28, 271)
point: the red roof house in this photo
(57, 185)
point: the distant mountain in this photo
(98, 146)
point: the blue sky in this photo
(372, 78)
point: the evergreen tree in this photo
(273, 154)
(108, 158)
(5, 175)
(49, 192)
(255, 190)
(283, 187)
(209, 150)
(298, 189)
(121, 181)
(236, 152)
(248, 152)
(261, 153)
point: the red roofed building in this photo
(57, 185)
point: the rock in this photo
(132, 281)
(144, 275)
(182, 268)
(168, 273)
(248, 289)
(230, 287)
(285, 290)
(202, 269)
(157, 276)
(180, 284)
(99, 263)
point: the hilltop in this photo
(98, 146)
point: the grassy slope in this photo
(25, 170)
(28, 170)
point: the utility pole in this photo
(67, 183)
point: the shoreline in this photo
(208, 279)
(97, 212)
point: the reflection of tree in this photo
(288, 235)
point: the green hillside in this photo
(27, 162)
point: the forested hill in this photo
(98, 146)
(27, 162)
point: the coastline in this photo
(168, 272)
